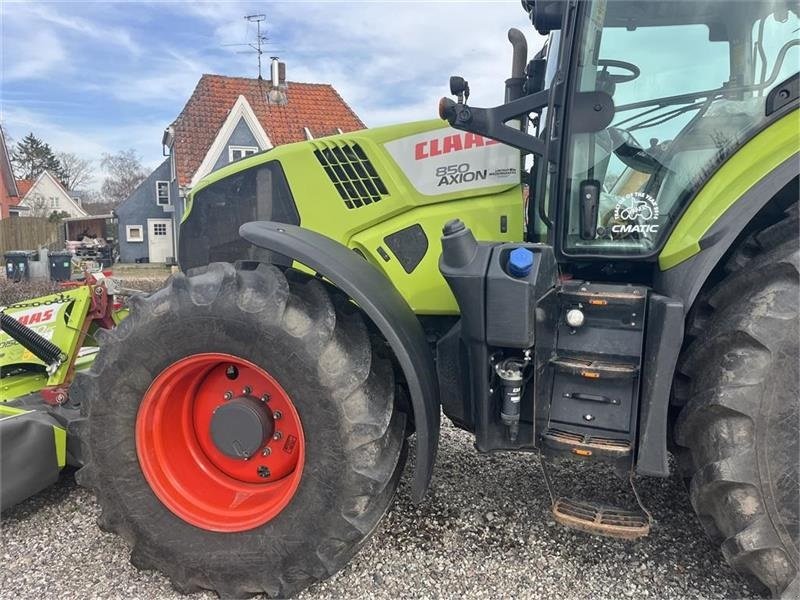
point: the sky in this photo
(99, 77)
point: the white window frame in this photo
(130, 238)
(158, 199)
(231, 149)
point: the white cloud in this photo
(107, 35)
(30, 61)
(88, 142)
(390, 61)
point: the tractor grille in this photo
(351, 173)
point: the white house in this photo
(46, 196)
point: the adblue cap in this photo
(520, 262)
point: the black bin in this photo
(18, 263)
(60, 263)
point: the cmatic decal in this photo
(446, 160)
(633, 213)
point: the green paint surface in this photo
(754, 161)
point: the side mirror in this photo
(546, 15)
(459, 88)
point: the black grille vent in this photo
(352, 174)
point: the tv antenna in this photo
(261, 39)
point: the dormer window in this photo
(239, 152)
(162, 193)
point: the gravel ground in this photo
(484, 531)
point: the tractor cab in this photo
(645, 101)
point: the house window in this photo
(239, 152)
(162, 193)
(53, 202)
(159, 229)
(134, 233)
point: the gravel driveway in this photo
(484, 531)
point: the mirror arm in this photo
(491, 122)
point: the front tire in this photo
(738, 430)
(346, 463)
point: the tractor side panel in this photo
(406, 248)
(430, 174)
(385, 193)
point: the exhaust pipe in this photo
(520, 58)
(520, 46)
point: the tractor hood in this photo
(341, 185)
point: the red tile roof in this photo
(24, 186)
(314, 105)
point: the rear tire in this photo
(737, 433)
(318, 349)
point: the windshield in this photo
(210, 232)
(689, 82)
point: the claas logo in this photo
(450, 143)
(41, 316)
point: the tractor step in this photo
(586, 445)
(601, 520)
(594, 369)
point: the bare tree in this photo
(76, 172)
(124, 171)
(39, 206)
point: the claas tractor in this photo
(602, 269)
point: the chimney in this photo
(274, 70)
(277, 89)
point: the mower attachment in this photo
(33, 450)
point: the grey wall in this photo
(241, 136)
(140, 206)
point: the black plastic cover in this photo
(211, 231)
(409, 245)
(28, 461)
(511, 301)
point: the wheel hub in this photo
(241, 427)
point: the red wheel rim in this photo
(186, 470)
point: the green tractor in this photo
(602, 269)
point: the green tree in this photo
(57, 216)
(31, 156)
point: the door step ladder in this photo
(598, 518)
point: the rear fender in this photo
(388, 310)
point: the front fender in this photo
(388, 310)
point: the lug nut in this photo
(246, 390)
(228, 395)
(277, 414)
(278, 435)
(263, 471)
(266, 451)
(265, 398)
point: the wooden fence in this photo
(27, 233)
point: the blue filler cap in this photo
(520, 262)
